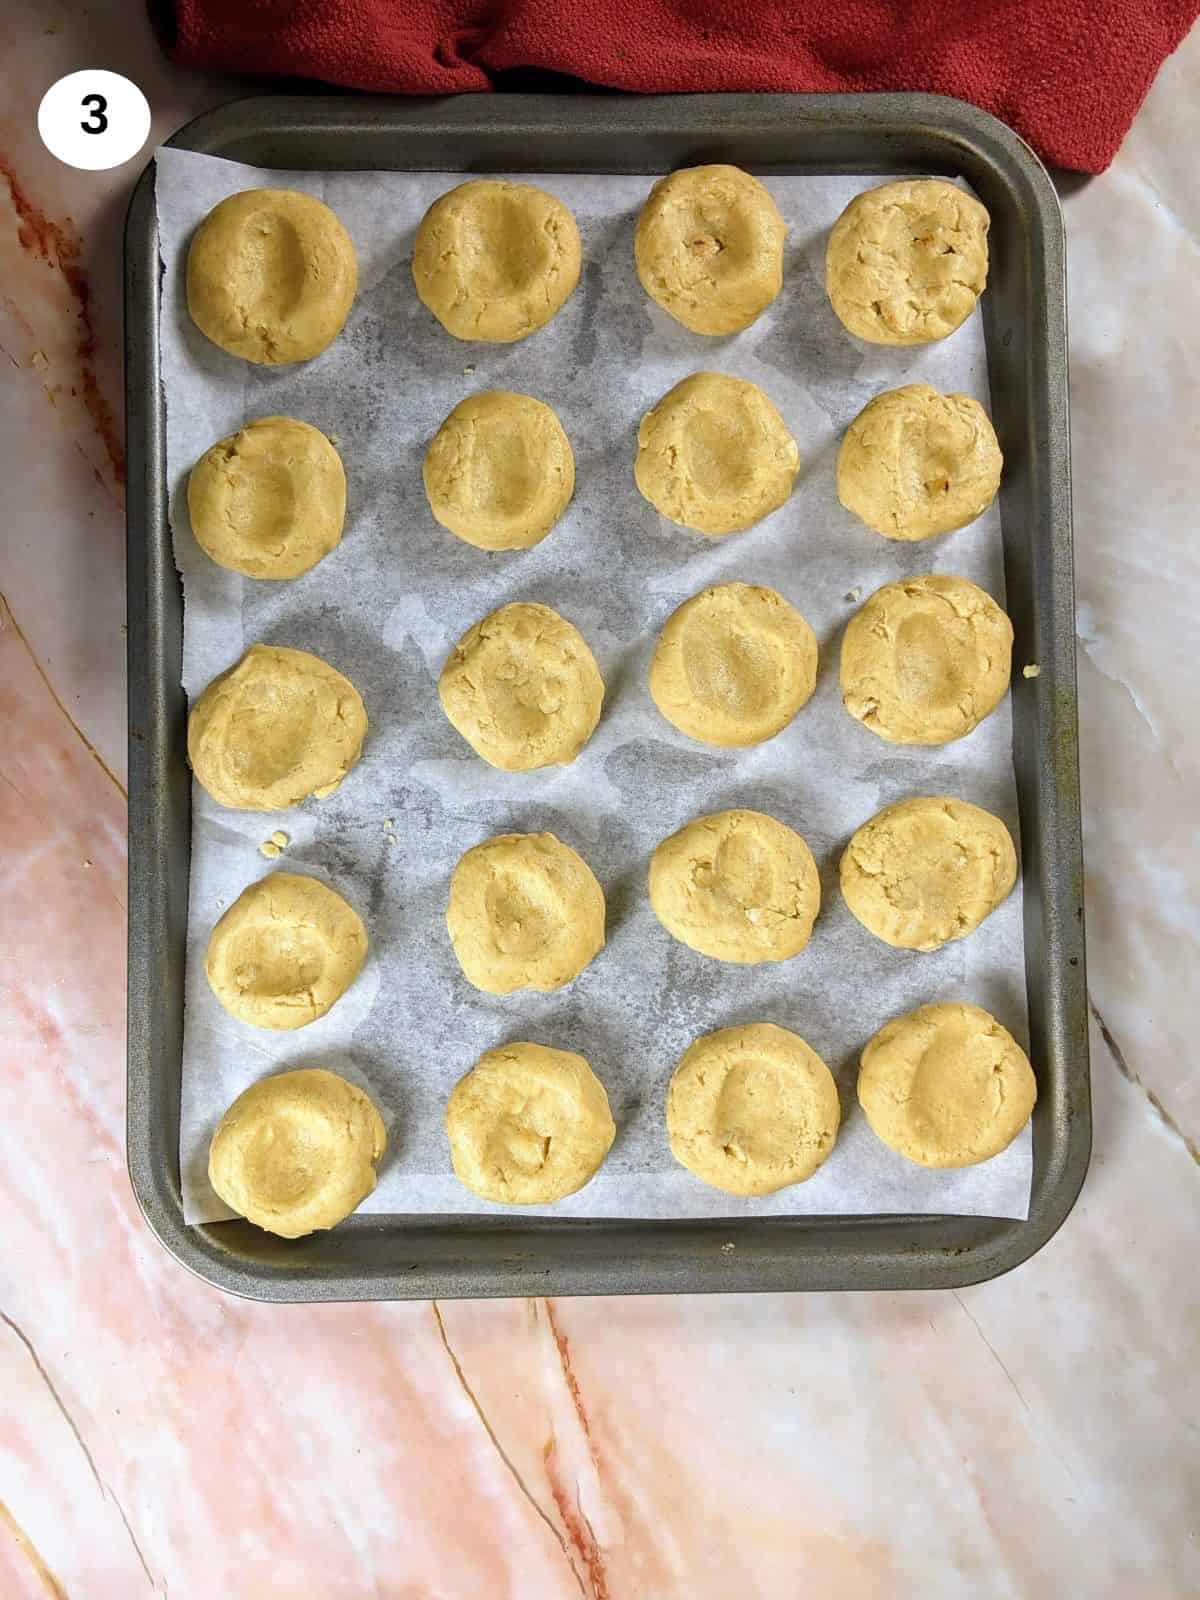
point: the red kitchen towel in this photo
(1067, 74)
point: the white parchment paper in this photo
(388, 604)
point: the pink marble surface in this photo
(1036, 1435)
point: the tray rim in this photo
(966, 1250)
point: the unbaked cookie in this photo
(925, 660)
(297, 1152)
(733, 665)
(495, 261)
(500, 471)
(915, 462)
(528, 1125)
(268, 501)
(906, 262)
(928, 870)
(523, 688)
(271, 276)
(736, 885)
(752, 1109)
(279, 726)
(714, 455)
(286, 951)
(525, 912)
(709, 248)
(946, 1085)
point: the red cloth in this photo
(1067, 74)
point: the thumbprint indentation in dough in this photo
(287, 1157)
(272, 736)
(272, 267)
(944, 1074)
(924, 656)
(743, 870)
(719, 453)
(734, 674)
(523, 921)
(503, 254)
(505, 479)
(262, 504)
(288, 961)
(738, 1124)
(521, 700)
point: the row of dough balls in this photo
(750, 1110)
(272, 273)
(525, 911)
(923, 662)
(714, 456)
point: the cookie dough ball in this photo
(528, 1125)
(270, 500)
(523, 688)
(928, 870)
(286, 951)
(297, 1152)
(915, 462)
(276, 728)
(500, 471)
(924, 661)
(709, 248)
(525, 912)
(906, 262)
(271, 276)
(733, 665)
(714, 455)
(946, 1085)
(738, 886)
(752, 1109)
(495, 261)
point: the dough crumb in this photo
(853, 595)
(1031, 671)
(726, 1248)
(468, 372)
(269, 849)
(280, 838)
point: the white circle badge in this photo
(94, 120)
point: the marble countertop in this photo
(1030, 1435)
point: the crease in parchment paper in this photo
(389, 603)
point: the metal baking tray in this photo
(1024, 310)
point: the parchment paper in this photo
(386, 607)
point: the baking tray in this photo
(1024, 311)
